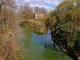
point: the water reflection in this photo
(41, 47)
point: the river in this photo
(40, 47)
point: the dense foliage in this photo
(67, 14)
(64, 21)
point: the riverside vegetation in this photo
(35, 25)
(63, 22)
(11, 15)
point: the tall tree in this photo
(5, 7)
(43, 10)
(36, 9)
(26, 11)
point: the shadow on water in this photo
(68, 42)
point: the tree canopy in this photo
(68, 12)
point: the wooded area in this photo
(64, 22)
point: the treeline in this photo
(64, 22)
(28, 12)
(10, 12)
(7, 14)
(65, 16)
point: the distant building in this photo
(39, 15)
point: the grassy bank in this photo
(35, 25)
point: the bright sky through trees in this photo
(48, 4)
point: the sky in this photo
(48, 4)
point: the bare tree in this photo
(36, 9)
(26, 11)
(5, 7)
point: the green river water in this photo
(40, 47)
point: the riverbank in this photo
(35, 25)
